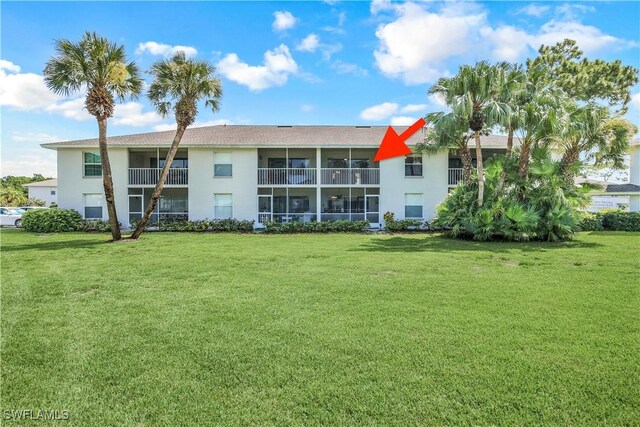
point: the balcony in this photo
(350, 176)
(149, 176)
(455, 175)
(287, 176)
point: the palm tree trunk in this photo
(465, 157)
(503, 174)
(523, 161)
(107, 180)
(155, 196)
(509, 142)
(569, 158)
(480, 169)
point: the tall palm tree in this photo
(591, 132)
(179, 84)
(100, 67)
(474, 94)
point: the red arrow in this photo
(393, 145)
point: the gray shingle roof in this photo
(47, 183)
(266, 136)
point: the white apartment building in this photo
(260, 173)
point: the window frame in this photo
(85, 164)
(421, 205)
(413, 165)
(85, 206)
(215, 164)
(216, 205)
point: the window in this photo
(337, 163)
(413, 166)
(177, 163)
(222, 164)
(299, 163)
(413, 205)
(359, 163)
(92, 165)
(276, 162)
(222, 206)
(93, 206)
(53, 192)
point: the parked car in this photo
(30, 208)
(10, 216)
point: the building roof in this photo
(266, 136)
(47, 183)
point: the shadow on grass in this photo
(55, 245)
(445, 244)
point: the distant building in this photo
(44, 190)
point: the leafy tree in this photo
(13, 191)
(583, 79)
(474, 95)
(179, 84)
(100, 67)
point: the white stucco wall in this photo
(72, 184)
(44, 193)
(242, 185)
(432, 184)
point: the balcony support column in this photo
(318, 183)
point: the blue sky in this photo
(310, 62)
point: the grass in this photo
(201, 329)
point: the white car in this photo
(10, 216)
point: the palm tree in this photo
(179, 84)
(100, 67)
(449, 132)
(474, 95)
(591, 131)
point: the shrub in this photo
(317, 227)
(51, 220)
(216, 225)
(96, 225)
(391, 224)
(591, 222)
(620, 220)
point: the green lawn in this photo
(186, 329)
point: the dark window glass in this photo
(92, 170)
(359, 163)
(276, 162)
(413, 211)
(413, 166)
(299, 163)
(222, 170)
(336, 163)
(93, 212)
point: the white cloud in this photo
(283, 21)
(437, 100)
(197, 124)
(534, 10)
(413, 108)
(161, 49)
(30, 162)
(33, 137)
(307, 108)
(309, 43)
(329, 49)
(342, 67)
(378, 6)
(635, 100)
(71, 109)
(572, 11)
(379, 112)
(131, 114)
(416, 43)
(337, 29)
(23, 91)
(403, 121)
(278, 65)
(512, 44)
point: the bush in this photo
(99, 225)
(216, 225)
(591, 222)
(620, 220)
(393, 225)
(52, 220)
(317, 227)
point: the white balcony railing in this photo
(149, 176)
(287, 176)
(350, 176)
(455, 175)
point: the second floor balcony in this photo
(149, 176)
(145, 166)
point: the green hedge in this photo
(393, 225)
(611, 221)
(216, 225)
(52, 220)
(317, 227)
